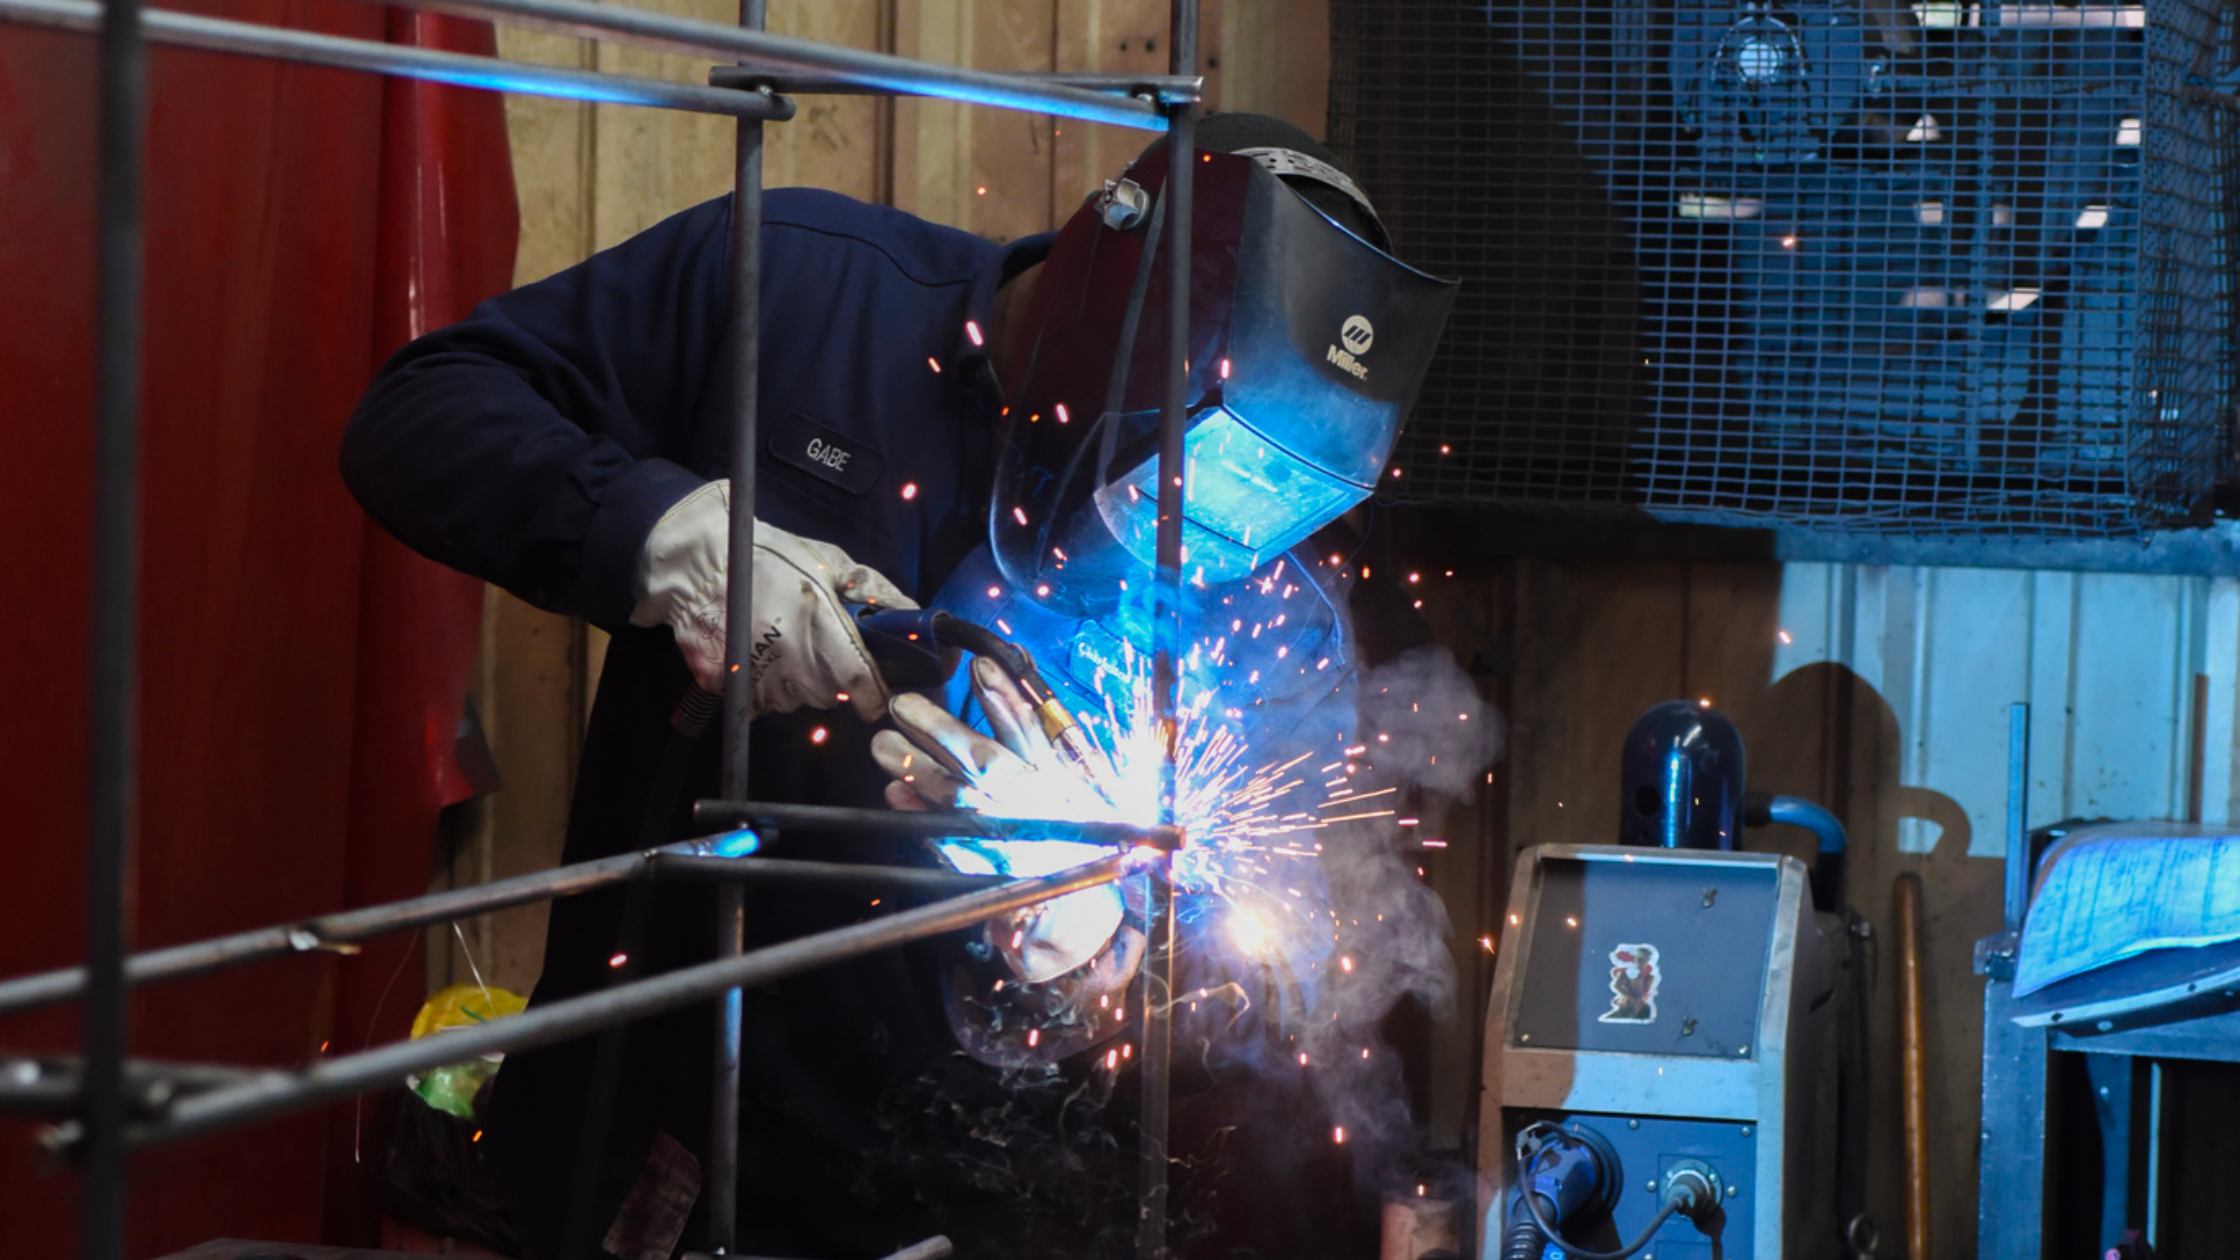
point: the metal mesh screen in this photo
(1939, 268)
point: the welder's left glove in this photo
(938, 762)
(807, 651)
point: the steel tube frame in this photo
(738, 692)
(1150, 104)
(1165, 89)
(273, 1093)
(883, 73)
(1155, 998)
(255, 39)
(930, 825)
(687, 860)
(112, 753)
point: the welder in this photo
(563, 442)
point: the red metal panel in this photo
(265, 195)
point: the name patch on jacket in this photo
(847, 462)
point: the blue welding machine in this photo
(1670, 1015)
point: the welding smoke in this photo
(1427, 733)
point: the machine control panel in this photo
(1642, 958)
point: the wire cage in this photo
(1956, 267)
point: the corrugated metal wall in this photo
(2110, 663)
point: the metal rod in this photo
(738, 691)
(52, 1086)
(273, 1093)
(881, 72)
(689, 860)
(114, 657)
(785, 872)
(937, 1247)
(202, 957)
(1162, 88)
(2017, 898)
(1913, 1066)
(772, 816)
(187, 30)
(1156, 999)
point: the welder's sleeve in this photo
(535, 443)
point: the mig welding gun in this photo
(916, 647)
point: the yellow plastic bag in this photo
(452, 1088)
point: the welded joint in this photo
(771, 86)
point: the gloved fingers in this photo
(852, 581)
(964, 752)
(839, 666)
(1111, 970)
(862, 584)
(917, 772)
(1010, 714)
(904, 796)
(1050, 938)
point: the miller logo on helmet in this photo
(1358, 334)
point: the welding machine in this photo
(1660, 1059)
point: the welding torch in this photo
(912, 648)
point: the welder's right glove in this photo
(807, 652)
(938, 762)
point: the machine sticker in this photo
(1634, 977)
(826, 453)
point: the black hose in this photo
(1524, 1241)
(1532, 1211)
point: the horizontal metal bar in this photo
(347, 927)
(881, 72)
(272, 1093)
(186, 30)
(937, 1247)
(54, 1085)
(788, 872)
(1151, 87)
(930, 824)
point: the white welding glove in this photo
(806, 648)
(938, 762)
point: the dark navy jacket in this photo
(534, 445)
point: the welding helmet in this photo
(1308, 341)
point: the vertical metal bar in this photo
(115, 617)
(1167, 638)
(2018, 808)
(2011, 1169)
(738, 693)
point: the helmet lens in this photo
(1249, 500)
